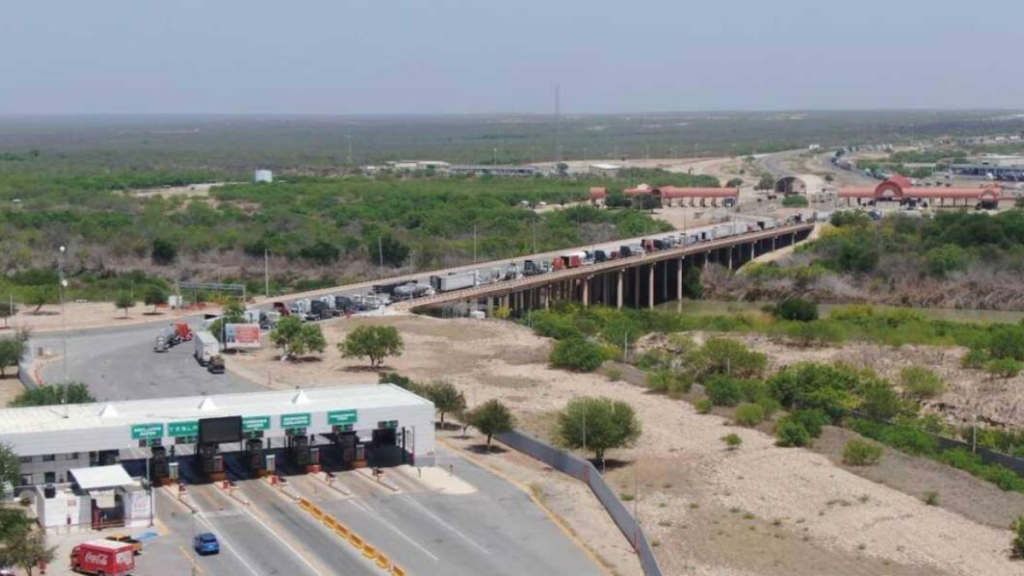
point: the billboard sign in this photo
(255, 423)
(189, 428)
(294, 421)
(242, 336)
(342, 417)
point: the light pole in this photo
(266, 272)
(63, 316)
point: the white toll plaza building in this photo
(346, 424)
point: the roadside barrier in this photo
(585, 471)
(357, 542)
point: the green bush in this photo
(791, 433)
(902, 438)
(796, 309)
(975, 359)
(830, 387)
(577, 354)
(673, 383)
(1004, 367)
(881, 402)
(858, 452)
(704, 406)
(921, 382)
(794, 201)
(733, 441)
(1017, 545)
(555, 326)
(812, 419)
(724, 390)
(725, 356)
(748, 415)
(1001, 476)
(813, 333)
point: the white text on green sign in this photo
(300, 420)
(147, 431)
(341, 417)
(255, 423)
(181, 429)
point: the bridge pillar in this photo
(618, 290)
(679, 279)
(650, 287)
(490, 306)
(547, 296)
(586, 292)
(636, 285)
(731, 249)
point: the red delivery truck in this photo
(183, 332)
(103, 557)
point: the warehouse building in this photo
(51, 441)
(687, 196)
(809, 185)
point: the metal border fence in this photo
(585, 471)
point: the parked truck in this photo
(103, 557)
(456, 281)
(207, 347)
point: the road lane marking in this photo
(363, 507)
(231, 547)
(422, 508)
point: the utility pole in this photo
(349, 149)
(495, 157)
(474, 243)
(380, 254)
(63, 315)
(558, 123)
(266, 272)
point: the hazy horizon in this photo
(455, 57)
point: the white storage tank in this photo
(262, 175)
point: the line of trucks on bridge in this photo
(330, 306)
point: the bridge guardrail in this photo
(539, 280)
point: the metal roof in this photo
(100, 477)
(112, 414)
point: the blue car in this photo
(206, 543)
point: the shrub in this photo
(1003, 367)
(902, 438)
(830, 387)
(748, 415)
(1017, 546)
(931, 498)
(599, 424)
(794, 201)
(880, 401)
(732, 441)
(921, 382)
(814, 333)
(724, 390)
(861, 453)
(555, 326)
(672, 383)
(613, 374)
(1006, 341)
(790, 433)
(577, 354)
(812, 419)
(704, 406)
(725, 356)
(796, 309)
(975, 359)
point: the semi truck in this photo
(103, 557)
(456, 281)
(207, 347)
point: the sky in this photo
(489, 56)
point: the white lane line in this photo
(363, 507)
(220, 535)
(437, 519)
(283, 542)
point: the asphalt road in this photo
(496, 530)
(119, 364)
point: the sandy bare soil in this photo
(193, 190)
(90, 315)
(758, 510)
(10, 387)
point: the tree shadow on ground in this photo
(482, 449)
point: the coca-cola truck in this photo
(103, 557)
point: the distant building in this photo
(899, 189)
(510, 171)
(412, 165)
(263, 176)
(606, 170)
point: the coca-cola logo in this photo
(96, 558)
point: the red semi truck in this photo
(103, 557)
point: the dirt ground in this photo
(194, 190)
(9, 388)
(757, 510)
(87, 315)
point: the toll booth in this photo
(298, 451)
(159, 465)
(210, 462)
(254, 459)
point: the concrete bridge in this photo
(638, 282)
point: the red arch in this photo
(887, 187)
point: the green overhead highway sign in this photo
(299, 420)
(255, 423)
(181, 429)
(342, 417)
(147, 431)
